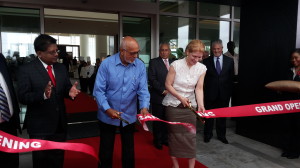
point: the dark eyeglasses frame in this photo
(133, 53)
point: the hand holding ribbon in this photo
(195, 112)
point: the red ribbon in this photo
(281, 107)
(150, 117)
(13, 144)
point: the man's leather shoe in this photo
(166, 143)
(284, 154)
(158, 146)
(293, 156)
(224, 140)
(207, 139)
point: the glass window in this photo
(214, 10)
(180, 7)
(178, 31)
(140, 29)
(237, 12)
(236, 36)
(211, 30)
(145, 0)
(92, 49)
(19, 27)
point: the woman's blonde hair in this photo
(195, 45)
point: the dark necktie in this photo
(49, 68)
(218, 66)
(4, 108)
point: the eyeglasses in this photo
(53, 52)
(164, 49)
(133, 53)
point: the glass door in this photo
(140, 29)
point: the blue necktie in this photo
(4, 108)
(218, 66)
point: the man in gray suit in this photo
(42, 86)
(218, 85)
(157, 73)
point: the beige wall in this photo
(91, 5)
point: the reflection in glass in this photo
(145, 0)
(214, 10)
(19, 27)
(179, 7)
(236, 36)
(178, 31)
(211, 30)
(140, 29)
(237, 12)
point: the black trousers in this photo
(49, 158)
(220, 122)
(160, 131)
(292, 145)
(107, 139)
(9, 160)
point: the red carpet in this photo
(146, 156)
(82, 103)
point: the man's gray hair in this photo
(164, 43)
(219, 42)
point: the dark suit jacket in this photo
(218, 87)
(14, 120)
(157, 73)
(43, 117)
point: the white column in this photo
(84, 46)
(101, 46)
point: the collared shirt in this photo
(220, 60)
(119, 87)
(45, 66)
(6, 91)
(166, 60)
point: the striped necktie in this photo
(4, 108)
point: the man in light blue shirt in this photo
(121, 81)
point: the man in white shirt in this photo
(232, 54)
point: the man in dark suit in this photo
(157, 73)
(42, 86)
(218, 85)
(13, 124)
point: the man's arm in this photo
(143, 93)
(100, 87)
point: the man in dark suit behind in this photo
(157, 73)
(42, 86)
(218, 85)
(11, 126)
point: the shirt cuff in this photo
(105, 106)
(144, 105)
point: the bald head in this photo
(129, 50)
(128, 41)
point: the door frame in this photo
(154, 30)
